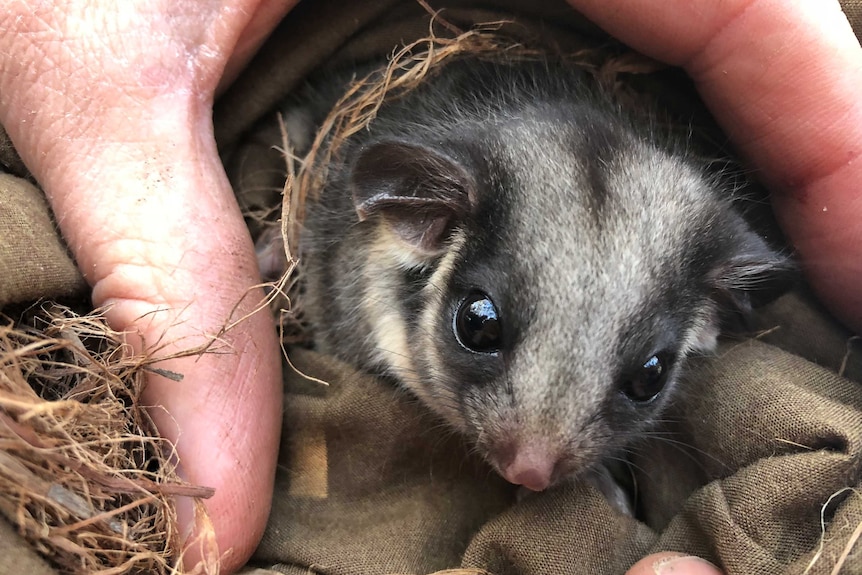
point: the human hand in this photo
(109, 104)
(783, 80)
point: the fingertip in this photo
(233, 447)
(668, 563)
(265, 18)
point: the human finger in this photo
(110, 108)
(672, 564)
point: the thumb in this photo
(116, 127)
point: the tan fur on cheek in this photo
(386, 258)
(380, 303)
(444, 398)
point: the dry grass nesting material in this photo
(83, 474)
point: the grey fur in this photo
(599, 245)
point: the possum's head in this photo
(539, 282)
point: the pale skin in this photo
(109, 105)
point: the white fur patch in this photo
(389, 331)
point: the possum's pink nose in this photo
(529, 465)
(532, 478)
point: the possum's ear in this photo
(419, 192)
(754, 274)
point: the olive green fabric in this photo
(760, 445)
(758, 469)
(853, 11)
(34, 262)
(371, 483)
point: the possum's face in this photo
(540, 285)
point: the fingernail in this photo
(684, 565)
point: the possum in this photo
(533, 263)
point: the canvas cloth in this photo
(752, 473)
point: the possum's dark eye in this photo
(477, 324)
(645, 383)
